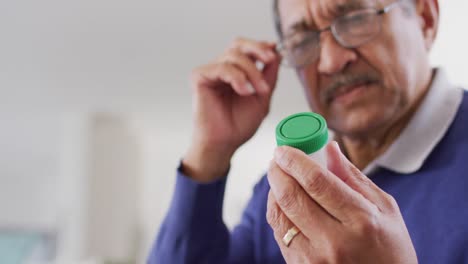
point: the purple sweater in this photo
(433, 201)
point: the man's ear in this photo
(428, 13)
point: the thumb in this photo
(339, 165)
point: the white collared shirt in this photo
(426, 128)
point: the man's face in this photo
(365, 88)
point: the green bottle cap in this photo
(305, 131)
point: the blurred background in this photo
(95, 114)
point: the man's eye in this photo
(306, 41)
(357, 20)
(297, 44)
(294, 43)
(358, 24)
(297, 38)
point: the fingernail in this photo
(250, 88)
(260, 65)
(337, 146)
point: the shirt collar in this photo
(426, 128)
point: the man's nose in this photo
(333, 57)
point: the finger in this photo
(270, 72)
(297, 205)
(280, 224)
(353, 177)
(213, 74)
(260, 50)
(250, 70)
(331, 193)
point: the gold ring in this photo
(289, 236)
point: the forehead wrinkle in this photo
(328, 10)
(323, 11)
(347, 7)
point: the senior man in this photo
(395, 187)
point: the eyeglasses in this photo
(350, 31)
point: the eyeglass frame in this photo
(280, 48)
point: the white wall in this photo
(450, 48)
(62, 61)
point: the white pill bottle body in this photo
(319, 157)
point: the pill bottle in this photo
(307, 132)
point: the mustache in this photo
(347, 79)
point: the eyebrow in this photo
(297, 27)
(342, 9)
(339, 10)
